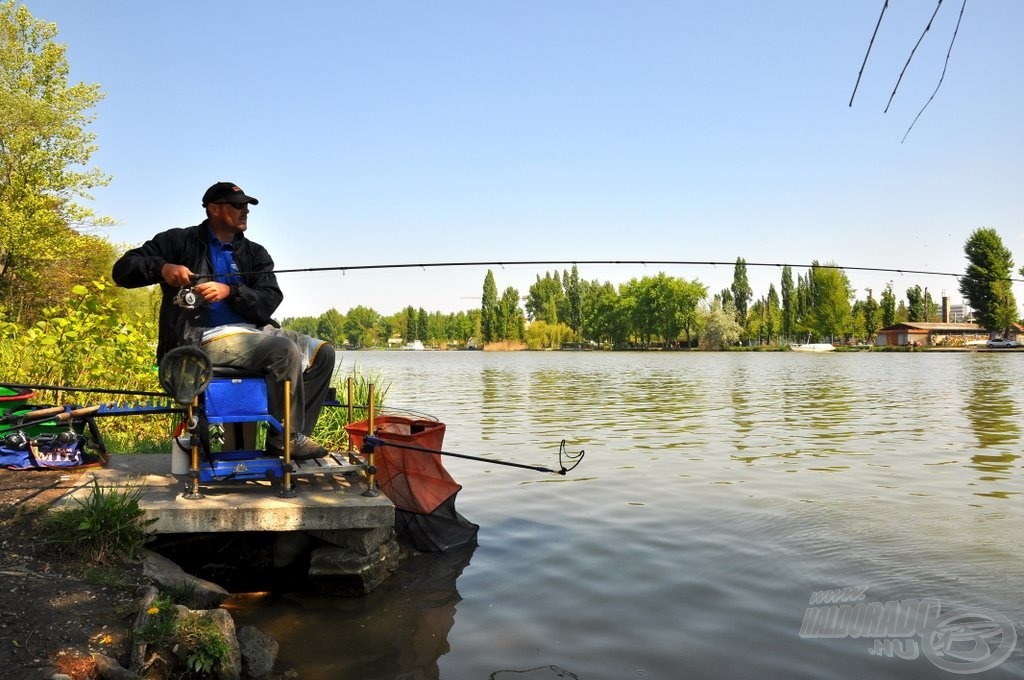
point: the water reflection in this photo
(398, 631)
(993, 415)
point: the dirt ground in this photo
(53, 613)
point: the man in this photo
(235, 293)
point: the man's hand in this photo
(176, 274)
(211, 291)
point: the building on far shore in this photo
(939, 334)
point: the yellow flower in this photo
(153, 610)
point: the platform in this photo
(328, 497)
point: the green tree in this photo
(510, 317)
(361, 327)
(830, 295)
(741, 291)
(489, 309)
(330, 326)
(573, 300)
(720, 327)
(788, 303)
(422, 323)
(45, 150)
(410, 324)
(870, 310)
(299, 324)
(888, 306)
(915, 304)
(544, 299)
(986, 284)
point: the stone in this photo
(362, 541)
(259, 653)
(168, 575)
(335, 570)
(109, 669)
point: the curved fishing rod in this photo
(679, 263)
(574, 458)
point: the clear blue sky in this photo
(395, 132)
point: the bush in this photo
(106, 526)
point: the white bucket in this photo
(181, 458)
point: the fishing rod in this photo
(674, 263)
(574, 458)
(97, 390)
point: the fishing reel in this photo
(186, 298)
(20, 441)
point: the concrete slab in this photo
(325, 501)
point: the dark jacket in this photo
(256, 298)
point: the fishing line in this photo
(674, 263)
(574, 458)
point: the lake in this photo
(737, 515)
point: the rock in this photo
(109, 669)
(232, 670)
(259, 652)
(168, 575)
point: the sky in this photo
(568, 130)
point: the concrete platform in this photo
(326, 500)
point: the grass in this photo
(105, 527)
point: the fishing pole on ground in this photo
(574, 458)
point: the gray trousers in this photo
(281, 355)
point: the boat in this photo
(414, 345)
(813, 347)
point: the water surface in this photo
(719, 492)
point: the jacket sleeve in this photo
(258, 296)
(141, 266)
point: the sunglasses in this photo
(236, 206)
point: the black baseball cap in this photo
(226, 191)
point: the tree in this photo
(830, 300)
(573, 300)
(422, 330)
(986, 284)
(544, 299)
(44, 155)
(330, 326)
(489, 309)
(888, 306)
(410, 324)
(788, 303)
(720, 327)
(510, 318)
(915, 304)
(361, 327)
(870, 310)
(741, 292)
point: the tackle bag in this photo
(43, 452)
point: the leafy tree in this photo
(410, 323)
(361, 327)
(788, 302)
(330, 326)
(888, 306)
(871, 317)
(542, 335)
(986, 284)
(573, 300)
(489, 309)
(720, 327)
(510, 318)
(300, 324)
(830, 296)
(44, 154)
(602, 322)
(741, 291)
(422, 319)
(544, 299)
(915, 304)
